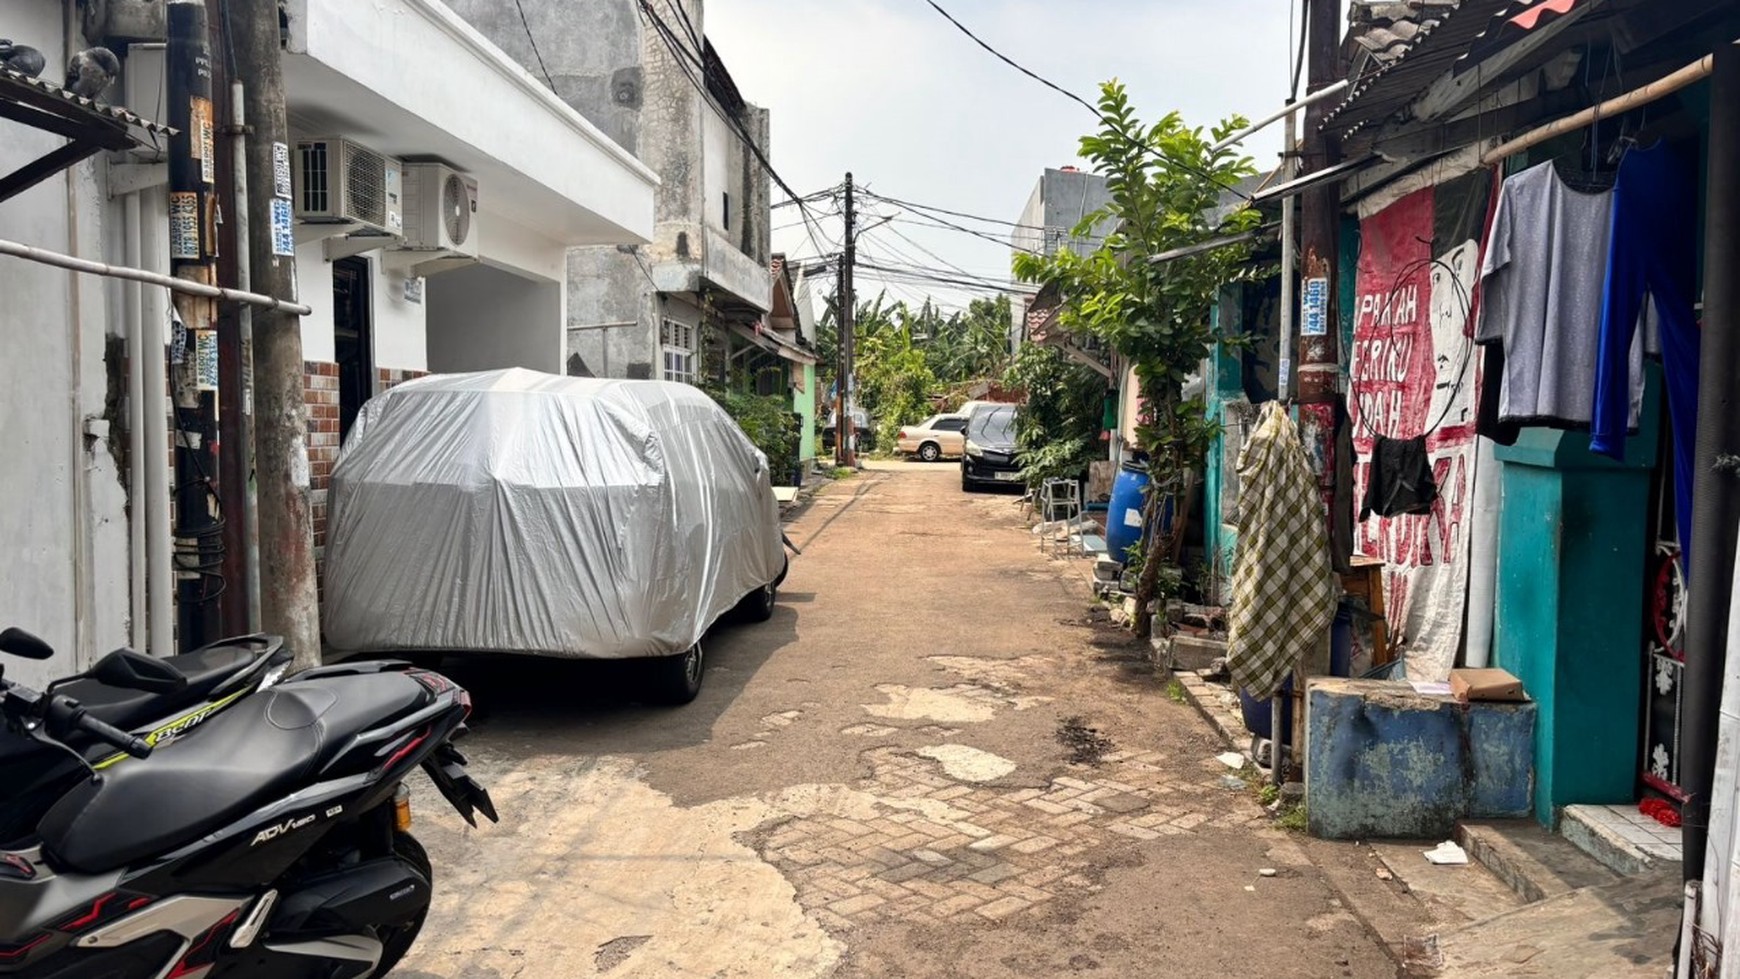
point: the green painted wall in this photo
(1573, 538)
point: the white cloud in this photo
(893, 92)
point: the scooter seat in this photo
(205, 669)
(270, 744)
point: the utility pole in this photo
(232, 471)
(193, 254)
(845, 431)
(289, 599)
(1319, 362)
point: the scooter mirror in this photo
(20, 643)
(135, 671)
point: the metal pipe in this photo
(1289, 112)
(245, 331)
(1289, 262)
(58, 260)
(1715, 497)
(79, 471)
(154, 316)
(131, 302)
(1659, 89)
(1289, 259)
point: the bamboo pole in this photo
(1659, 89)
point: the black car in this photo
(990, 456)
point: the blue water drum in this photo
(1124, 516)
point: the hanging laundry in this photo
(1652, 256)
(1543, 279)
(1401, 478)
(1283, 590)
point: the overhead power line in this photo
(1000, 56)
(958, 214)
(1162, 160)
(684, 58)
(948, 225)
(529, 37)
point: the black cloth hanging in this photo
(1401, 478)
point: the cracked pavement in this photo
(873, 784)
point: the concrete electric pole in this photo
(845, 431)
(289, 600)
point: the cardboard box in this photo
(1486, 684)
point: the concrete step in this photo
(1622, 929)
(1622, 838)
(1534, 863)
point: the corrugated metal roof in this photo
(1397, 49)
(13, 80)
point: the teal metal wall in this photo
(1573, 540)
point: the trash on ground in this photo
(1447, 853)
(1232, 782)
(1231, 759)
(1266, 872)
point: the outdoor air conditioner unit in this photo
(440, 211)
(342, 182)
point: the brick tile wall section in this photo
(387, 378)
(320, 390)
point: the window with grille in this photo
(678, 343)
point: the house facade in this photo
(398, 99)
(685, 305)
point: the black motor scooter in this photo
(272, 843)
(156, 700)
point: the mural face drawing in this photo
(1453, 354)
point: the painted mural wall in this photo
(1415, 371)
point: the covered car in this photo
(521, 512)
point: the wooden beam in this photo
(31, 174)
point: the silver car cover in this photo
(524, 512)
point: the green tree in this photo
(1166, 182)
(1058, 429)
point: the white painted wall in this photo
(62, 508)
(485, 318)
(400, 327)
(314, 287)
(412, 77)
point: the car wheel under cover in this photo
(676, 680)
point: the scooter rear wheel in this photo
(397, 940)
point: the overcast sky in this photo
(891, 91)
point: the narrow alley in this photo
(932, 762)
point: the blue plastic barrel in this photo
(1124, 517)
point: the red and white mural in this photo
(1415, 371)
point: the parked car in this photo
(989, 455)
(935, 437)
(519, 512)
(865, 438)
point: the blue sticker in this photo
(1314, 309)
(283, 233)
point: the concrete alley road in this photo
(877, 783)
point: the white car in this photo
(937, 437)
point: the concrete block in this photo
(1384, 761)
(1195, 652)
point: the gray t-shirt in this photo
(1543, 275)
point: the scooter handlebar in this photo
(111, 735)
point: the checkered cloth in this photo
(1283, 587)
